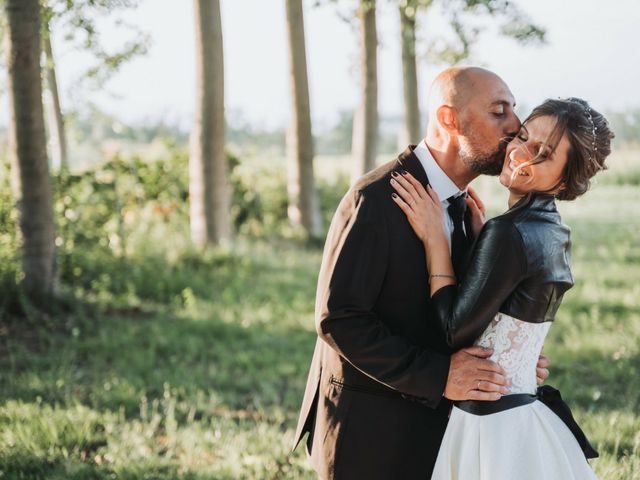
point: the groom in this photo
(382, 379)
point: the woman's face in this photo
(530, 145)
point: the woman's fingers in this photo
(432, 194)
(406, 184)
(416, 184)
(473, 205)
(402, 204)
(402, 192)
(474, 196)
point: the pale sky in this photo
(591, 53)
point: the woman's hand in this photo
(422, 207)
(477, 210)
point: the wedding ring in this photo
(478, 385)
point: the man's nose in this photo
(514, 125)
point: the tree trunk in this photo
(411, 132)
(30, 171)
(59, 151)
(304, 208)
(208, 188)
(365, 122)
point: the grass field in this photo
(204, 380)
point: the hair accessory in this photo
(594, 129)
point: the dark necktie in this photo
(459, 242)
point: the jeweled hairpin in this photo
(594, 129)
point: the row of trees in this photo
(27, 33)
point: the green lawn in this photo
(204, 381)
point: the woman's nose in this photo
(519, 154)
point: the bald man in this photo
(382, 379)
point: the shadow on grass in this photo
(33, 467)
(235, 329)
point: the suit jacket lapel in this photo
(411, 164)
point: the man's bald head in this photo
(471, 117)
(456, 85)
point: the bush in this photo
(123, 226)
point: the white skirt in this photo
(529, 442)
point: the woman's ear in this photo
(448, 119)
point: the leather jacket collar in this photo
(542, 202)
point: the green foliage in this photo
(463, 16)
(9, 262)
(77, 19)
(119, 223)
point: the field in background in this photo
(203, 380)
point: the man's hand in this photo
(542, 372)
(473, 377)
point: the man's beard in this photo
(485, 163)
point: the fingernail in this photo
(392, 181)
(404, 172)
(394, 195)
(394, 174)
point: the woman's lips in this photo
(511, 166)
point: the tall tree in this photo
(304, 207)
(59, 153)
(365, 123)
(412, 130)
(514, 25)
(208, 188)
(30, 172)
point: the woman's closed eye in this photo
(522, 135)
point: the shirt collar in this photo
(438, 180)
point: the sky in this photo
(589, 53)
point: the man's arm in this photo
(353, 270)
(351, 277)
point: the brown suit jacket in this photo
(373, 405)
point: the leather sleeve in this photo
(498, 263)
(351, 277)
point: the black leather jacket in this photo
(519, 266)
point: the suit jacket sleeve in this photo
(498, 263)
(351, 277)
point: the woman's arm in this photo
(497, 265)
(425, 214)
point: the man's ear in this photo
(448, 119)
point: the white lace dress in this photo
(528, 442)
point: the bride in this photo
(515, 278)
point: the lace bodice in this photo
(517, 345)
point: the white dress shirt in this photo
(441, 184)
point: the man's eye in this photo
(498, 114)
